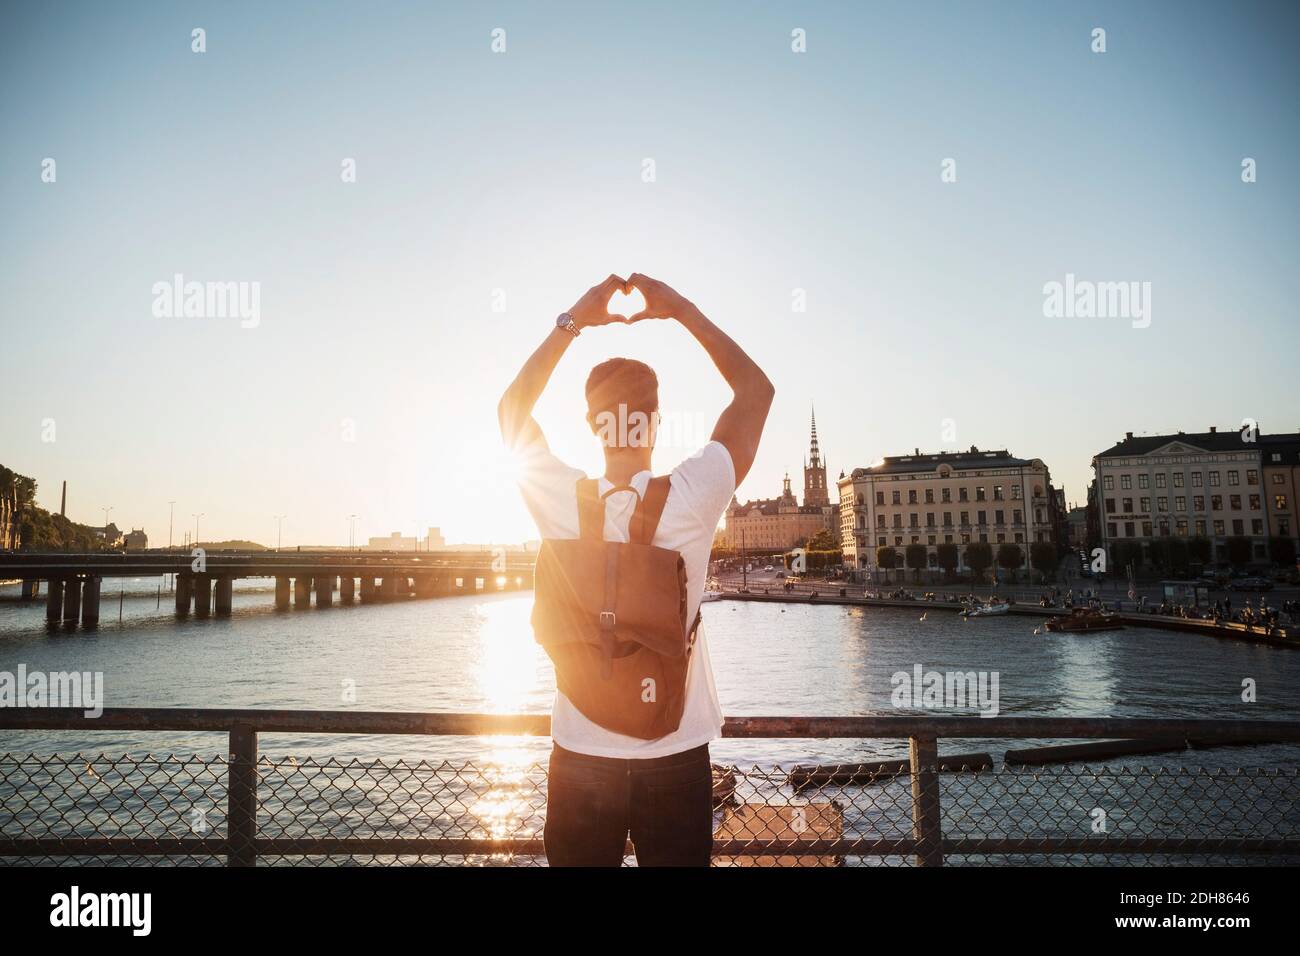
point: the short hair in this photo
(622, 381)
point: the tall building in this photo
(1217, 485)
(781, 522)
(814, 473)
(947, 498)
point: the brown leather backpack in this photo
(612, 617)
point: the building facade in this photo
(948, 498)
(135, 540)
(782, 523)
(1216, 485)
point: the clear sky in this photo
(482, 173)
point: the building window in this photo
(1015, 492)
(1196, 479)
(1216, 502)
(1108, 482)
(1128, 505)
(997, 492)
(929, 520)
(947, 539)
(1214, 479)
(998, 516)
(1128, 529)
(911, 496)
(1112, 531)
(965, 539)
(1234, 478)
(1178, 479)
(1126, 481)
(898, 498)
(1146, 505)
(898, 521)
(881, 541)
(1218, 526)
(1200, 526)
(1146, 529)
(963, 494)
(1252, 476)
(880, 497)
(1278, 478)
(880, 521)
(1160, 479)
(965, 519)
(1198, 502)
(1235, 502)
(1238, 526)
(1015, 516)
(1144, 481)
(1279, 502)
(1181, 527)
(947, 519)
(1002, 538)
(946, 495)
(982, 517)
(929, 496)
(1180, 503)
(1110, 506)
(1254, 502)
(1256, 525)
(979, 493)
(914, 520)
(1162, 504)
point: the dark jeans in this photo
(593, 802)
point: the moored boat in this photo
(1084, 619)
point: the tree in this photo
(1043, 558)
(1282, 551)
(1010, 557)
(948, 558)
(916, 557)
(886, 558)
(1122, 554)
(1158, 553)
(1177, 553)
(824, 540)
(1238, 551)
(979, 558)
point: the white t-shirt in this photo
(700, 490)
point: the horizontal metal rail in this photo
(241, 846)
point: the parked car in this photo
(780, 574)
(769, 568)
(1250, 584)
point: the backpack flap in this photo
(570, 595)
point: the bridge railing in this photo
(245, 806)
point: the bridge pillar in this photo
(29, 589)
(367, 589)
(184, 591)
(71, 600)
(54, 600)
(390, 589)
(347, 589)
(302, 591)
(202, 595)
(225, 594)
(426, 585)
(324, 591)
(90, 601)
(281, 592)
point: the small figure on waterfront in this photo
(635, 705)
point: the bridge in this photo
(73, 581)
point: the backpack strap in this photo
(645, 520)
(591, 510)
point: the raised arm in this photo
(741, 424)
(515, 410)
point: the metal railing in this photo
(243, 807)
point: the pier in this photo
(73, 582)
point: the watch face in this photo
(563, 320)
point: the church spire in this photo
(813, 450)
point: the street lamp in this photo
(196, 527)
(352, 528)
(171, 517)
(278, 525)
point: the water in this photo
(475, 653)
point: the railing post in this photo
(927, 827)
(241, 797)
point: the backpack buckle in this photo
(607, 620)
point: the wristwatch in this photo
(565, 321)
